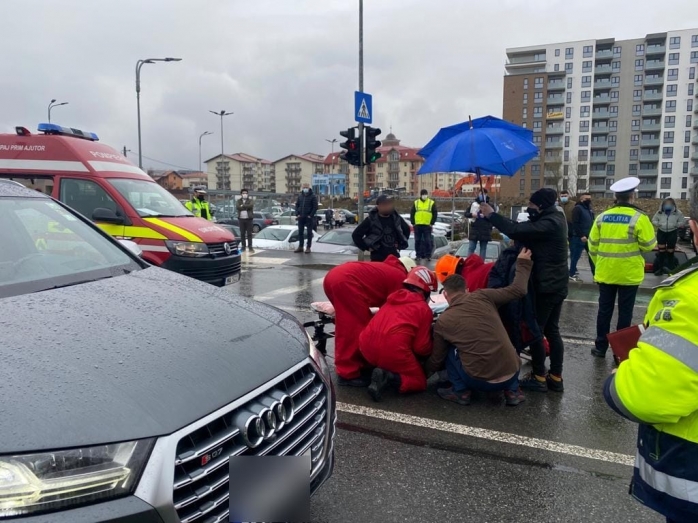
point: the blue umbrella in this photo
(484, 150)
(486, 121)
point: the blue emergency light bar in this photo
(52, 128)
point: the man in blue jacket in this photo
(582, 221)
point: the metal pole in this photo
(138, 109)
(206, 133)
(360, 201)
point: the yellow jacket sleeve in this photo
(594, 241)
(644, 232)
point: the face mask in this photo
(533, 214)
(586, 203)
(305, 190)
(564, 199)
(424, 197)
(668, 207)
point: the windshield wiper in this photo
(80, 282)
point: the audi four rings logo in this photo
(262, 419)
(227, 248)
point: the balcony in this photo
(557, 115)
(602, 83)
(694, 156)
(599, 129)
(694, 171)
(603, 99)
(650, 110)
(655, 49)
(654, 80)
(694, 141)
(651, 125)
(648, 172)
(598, 158)
(650, 142)
(600, 173)
(554, 129)
(647, 187)
(649, 157)
(553, 144)
(556, 86)
(599, 143)
(603, 113)
(652, 95)
(654, 65)
(603, 69)
(604, 54)
(522, 62)
(695, 123)
(556, 100)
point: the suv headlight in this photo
(67, 478)
(194, 249)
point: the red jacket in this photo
(476, 272)
(399, 330)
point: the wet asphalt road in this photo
(557, 457)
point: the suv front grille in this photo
(201, 479)
(217, 250)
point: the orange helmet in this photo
(446, 266)
(423, 279)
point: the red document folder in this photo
(624, 340)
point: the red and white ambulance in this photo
(120, 198)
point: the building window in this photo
(686, 151)
(687, 137)
(668, 136)
(617, 50)
(671, 106)
(639, 64)
(612, 140)
(638, 79)
(666, 169)
(583, 140)
(613, 124)
(694, 41)
(538, 97)
(674, 58)
(566, 154)
(634, 154)
(634, 139)
(635, 125)
(640, 50)
(535, 184)
(539, 83)
(588, 51)
(612, 154)
(557, 67)
(569, 83)
(674, 42)
(535, 170)
(586, 66)
(691, 88)
(673, 75)
(615, 80)
(557, 52)
(688, 118)
(615, 66)
(522, 184)
(684, 183)
(611, 170)
(637, 109)
(586, 81)
(568, 98)
(538, 112)
(584, 111)
(583, 155)
(683, 196)
(632, 168)
(524, 113)
(667, 152)
(569, 52)
(637, 95)
(672, 90)
(525, 98)
(670, 121)
(692, 73)
(568, 112)
(586, 96)
(524, 125)
(665, 180)
(569, 67)
(694, 57)
(537, 125)
(567, 127)
(584, 126)
(525, 83)
(685, 168)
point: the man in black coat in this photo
(383, 232)
(582, 222)
(546, 235)
(480, 228)
(306, 207)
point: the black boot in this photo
(659, 262)
(380, 379)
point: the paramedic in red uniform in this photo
(353, 288)
(399, 334)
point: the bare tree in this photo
(553, 173)
(575, 176)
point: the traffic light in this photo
(353, 147)
(372, 145)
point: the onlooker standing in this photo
(667, 221)
(566, 206)
(245, 208)
(306, 207)
(329, 216)
(657, 388)
(582, 220)
(423, 217)
(472, 341)
(480, 228)
(616, 243)
(545, 234)
(383, 232)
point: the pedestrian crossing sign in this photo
(363, 107)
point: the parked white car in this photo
(287, 218)
(278, 237)
(439, 241)
(444, 228)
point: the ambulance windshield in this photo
(150, 199)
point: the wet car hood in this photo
(130, 357)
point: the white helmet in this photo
(408, 263)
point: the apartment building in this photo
(295, 170)
(396, 169)
(240, 170)
(605, 109)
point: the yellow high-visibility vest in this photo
(423, 214)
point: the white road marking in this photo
(640, 306)
(491, 435)
(262, 260)
(288, 290)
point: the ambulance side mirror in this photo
(102, 215)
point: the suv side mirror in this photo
(103, 215)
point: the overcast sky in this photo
(286, 68)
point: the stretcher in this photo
(326, 316)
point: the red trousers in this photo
(353, 288)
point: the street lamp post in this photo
(53, 104)
(222, 113)
(139, 64)
(206, 133)
(331, 142)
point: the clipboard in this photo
(624, 340)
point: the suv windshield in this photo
(273, 234)
(337, 238)
(46, 246)
(149, 199)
